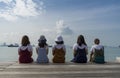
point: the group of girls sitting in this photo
(80, 51)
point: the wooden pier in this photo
(67, 70)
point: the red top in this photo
(25, 56)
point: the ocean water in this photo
(9, 54)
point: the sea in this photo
(10, 54)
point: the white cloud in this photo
(8, 17)
(25, 9)
(6, 1)
(62, 28)
(20, 8)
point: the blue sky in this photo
(92, 18)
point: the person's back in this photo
(80, 50)
(25, 51)
(59, 51)
(98, 56)
(80, 56)
(58, 55)
(25, 56)
(97, 52)
(42, 56)
(42, 50)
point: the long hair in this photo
(42, 43)
(81, 40)
(25, 40)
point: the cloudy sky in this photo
(92, 18)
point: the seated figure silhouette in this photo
(97, 52)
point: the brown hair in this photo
(96, 41)
(25, 40)
(81, 40)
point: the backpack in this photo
(80, 56)
(99, 56)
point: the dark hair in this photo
(81, 40)
(25, 40)
(96, 41)
(42, 43)
(61, 42)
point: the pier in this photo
(67, 70)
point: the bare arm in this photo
(31, 53)
(53, 52)
(91, 56)
(86, 50)
(74, 53)
(19, 51)
(64, 48)
(37, 50)
(47, 49)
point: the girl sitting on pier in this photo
(80, 50)
(42, 50)
(97, 52)
(25, 51)
(59, 50)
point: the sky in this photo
(69, 18)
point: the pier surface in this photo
(67, 70)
